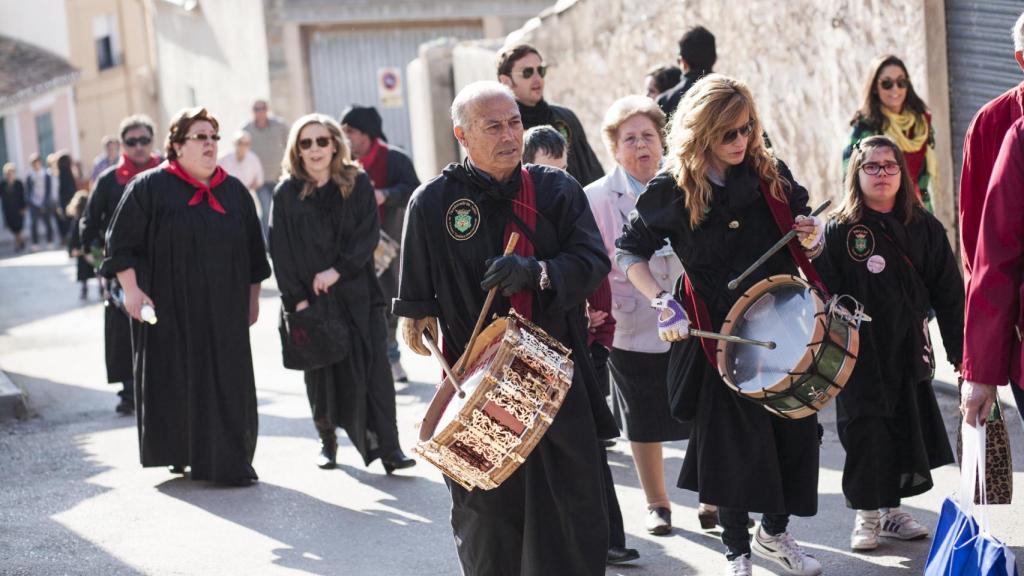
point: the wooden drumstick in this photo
(729, 338)
(429, 341)
(775, 248)
(460, 365)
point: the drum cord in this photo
(835, 308)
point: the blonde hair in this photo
(852, 209)
(625, 108)
(343, 169)
(711, 108)
(9, 167)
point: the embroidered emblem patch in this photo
(463, 219)
(860, 243)
(563, 129)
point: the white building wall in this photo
(40, 22)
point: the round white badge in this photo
(876, 264)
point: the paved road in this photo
(73, 499)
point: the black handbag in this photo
(316, 336)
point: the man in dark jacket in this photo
(697, 58)
(522, 69)
(391, 171)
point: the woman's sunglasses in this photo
(528, 72)
(735, 133)
(199, 137)
(307, 143)
(887, 84)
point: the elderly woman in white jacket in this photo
(632, 130)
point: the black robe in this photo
(669, 100)
(583, 164)
(739, 455)
(117, 335)
(14, 204)
(887, 416)
(550, 516)
(84, 270)
(196, 394)
(328, 231)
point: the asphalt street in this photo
(74, 499)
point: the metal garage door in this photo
(344, 65)
(981, 64)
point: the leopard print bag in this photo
(998, 461)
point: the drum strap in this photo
(784, 220)
(698, 313)
(524, 212)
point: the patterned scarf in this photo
(900, 127)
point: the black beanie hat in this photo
(697, 47)
(366, 119)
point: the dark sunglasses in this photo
(872, 169)
(202, 137)
(887, 84)
(528, 72)
(307, 143)
(140, 141)
(735, 133)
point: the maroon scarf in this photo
(375, 162)
(525, 208)
(202, 190)
(126, 169)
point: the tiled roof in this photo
(27, 71)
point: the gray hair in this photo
(239, 135)
(1018, 34)
(471, 94)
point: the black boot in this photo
(327, 459)
(396, 460)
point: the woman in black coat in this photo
(712, 204)
(12, 200)
(324, 228)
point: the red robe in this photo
(981, 146)
(992, 323)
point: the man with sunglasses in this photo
(269, 136)
(137, 156)
(522, 69)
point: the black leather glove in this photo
(511, 274)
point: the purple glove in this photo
(673, 324)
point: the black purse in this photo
(316, 336)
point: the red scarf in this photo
(375, 162)
(126, 169)
(525, 208)
(218, 177)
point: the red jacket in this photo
(981, 146)
(993, 319)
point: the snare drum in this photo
(816, 347)
(516, 380)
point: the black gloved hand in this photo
(511, 274)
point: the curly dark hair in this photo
(180, 124)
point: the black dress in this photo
(117, 335)
(550, 516)
(194, 379)
(12, 200)
(307, 237)
(887, 416)
(84, 270)
(739, 456)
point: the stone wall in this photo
(805, 61)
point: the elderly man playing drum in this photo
(550, 516)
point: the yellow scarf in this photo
(899, 126)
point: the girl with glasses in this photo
(324, 229)
(892, 107)
(713, 204)
(885, 250)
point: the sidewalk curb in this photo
(12, 399)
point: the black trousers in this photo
(616, 531)
(736, 535)
(42, 216)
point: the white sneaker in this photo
(785, 552)
(865, 530)
(739, 567)
(898, 524)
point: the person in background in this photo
(890, 106)
(661, 79)
(40, 192)
(13, 202)
(697, 56)
(109, 157)
(543, 145)
(269, 135)
(243, 164)
(85, 271)
(67, 186)
(394, 178)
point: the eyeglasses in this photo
(735, 133)
(201, 137)
(307, 143)
(873, 169)
(887, 84)
(528, 71)
(140, 141)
